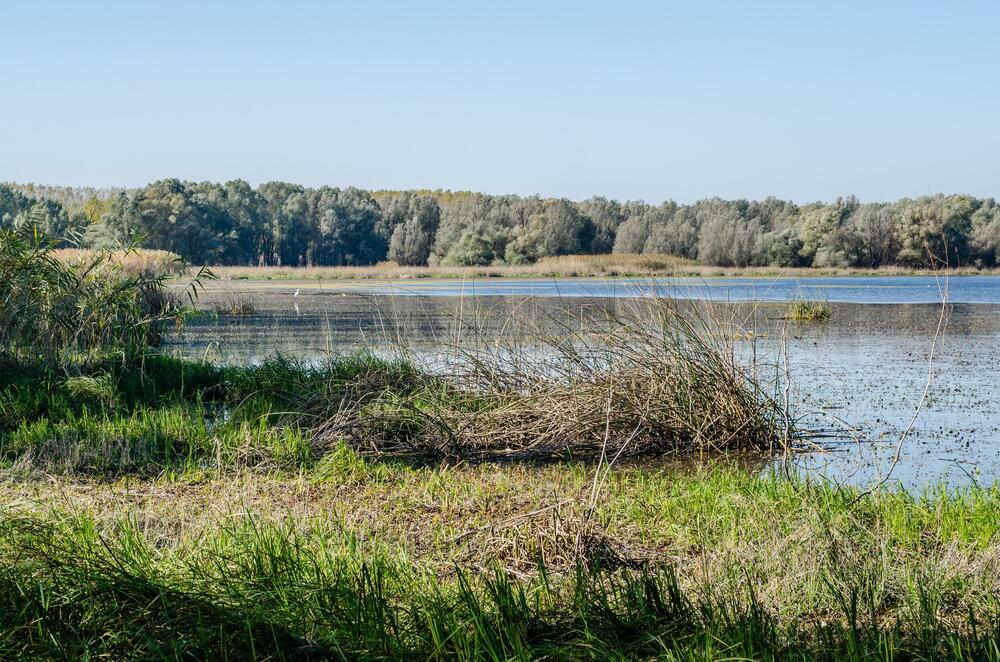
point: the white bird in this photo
(296, 293)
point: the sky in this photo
(632, 100)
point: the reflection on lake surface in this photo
(866, 367)
(837, 289)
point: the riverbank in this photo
(173, 508)
(362, 560)
(570, 266)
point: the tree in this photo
(633, 234)
(673, 231)
(936, 229)
(559, 229)
(606, 216)
(474, 249)
(412, 239)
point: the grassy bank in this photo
(568, 266)
(173, 509)
(590, 494)
(367, 561)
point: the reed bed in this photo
(133, 261)
(568, 266)
(50, 308)
(648, 379)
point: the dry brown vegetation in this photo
(646, 379)
(568, 266)
(139, 260)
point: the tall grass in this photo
(74, 587)
(134, 261)
(50, 309)
(235, 305)
(647, 379)
(609, 265)
(803, 310)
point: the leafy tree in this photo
(474, 249)
(605, 215)
(633, 234)
(673, 231)
(985, 239)
(559, 229)
(412, 239)
(936, 229)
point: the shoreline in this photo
(391, 274)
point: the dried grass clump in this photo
(235, 305)
(655, 381)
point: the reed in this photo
(648, 379)
(809, 311)
(569, 266)
(133, 261)
(52, 309)
(235, 305)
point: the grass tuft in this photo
(809, 311)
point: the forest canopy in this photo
(284, 224)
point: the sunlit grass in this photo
(809, 311)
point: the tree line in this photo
(285, 224)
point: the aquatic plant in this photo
(235, 305)
(809, 311)
(50, 309)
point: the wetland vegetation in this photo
(809, 311)
(376, 506)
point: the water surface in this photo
(835, 289)
(865, 369)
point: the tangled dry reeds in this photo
(653, 380)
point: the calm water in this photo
(841, 289)
(866, 368)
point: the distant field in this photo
(568, 266)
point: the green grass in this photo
(155, 508)
(896, 577)
(809, 311)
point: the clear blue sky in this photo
(650, 100)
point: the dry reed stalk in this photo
(141, 260)
(648, 379)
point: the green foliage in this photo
(809, 311)
(49, 309)
(472, 250)
(72, 587)
(284, 224)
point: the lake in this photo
(865, 369)
(835, 289)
